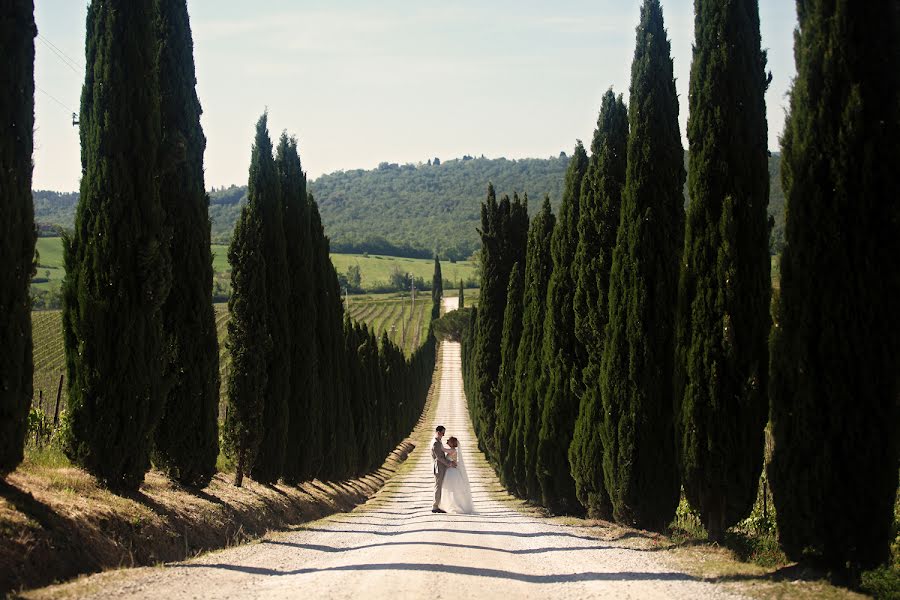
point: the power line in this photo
(54, 98)
(62, 56)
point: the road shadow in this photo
(458, 570)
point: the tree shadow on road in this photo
(461, 570)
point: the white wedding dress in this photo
(456, 495)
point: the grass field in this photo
(375, 270)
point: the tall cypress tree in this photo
(304, 401)
(118, 269)
(17, 233)
(639, 463)
(269, 461)
(462, 295)
(560, 351)
(598, 222)
(437, 289)
(187, 439)
(506, 382)
(724, 289)
(529, 403)
(491, 304)
(249, 342)
(834, 379)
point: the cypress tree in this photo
(17, 232)
(834, 379)
(462, 296)
(598, 222)
(529, 403)
(724, 289)
(187, 438)
(118, 269)
(249, 342)
(506, 383)
(437, 290)
(638, 436)
(304, 401)
(560, 407)
(491, 304)
(269, 461)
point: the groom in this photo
(441, 464)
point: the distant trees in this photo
(724, 289)
(836, 338)
(118, 268)
(637, 366)
(17, 231)
(187, 438)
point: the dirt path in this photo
(394, 548)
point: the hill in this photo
(405, 210)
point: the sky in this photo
(359, 82)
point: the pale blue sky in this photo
(362, 82)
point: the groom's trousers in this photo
(438, 485)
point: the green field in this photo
(374, 270)
(394, 313)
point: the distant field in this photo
(384, 312)
(374, 270)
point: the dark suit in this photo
(441, 464)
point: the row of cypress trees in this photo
(325, 401)
(310, 393)
(632, 356)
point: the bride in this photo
(456, 495)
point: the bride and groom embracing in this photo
(451, 483)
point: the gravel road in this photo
(394, 548)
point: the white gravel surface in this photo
(394, 548)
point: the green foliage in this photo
(639, 463)
(17, 233)
(118, 268)
(506, 382)
(522, 455)
(724, 287)
(265, 190)
(600, 204)
(833, 378)
(410, 211)
(437, 290)
(462, 296)
(305, 398)
(249, 342)
(187, 438)
(560, 352)
(453, 325)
